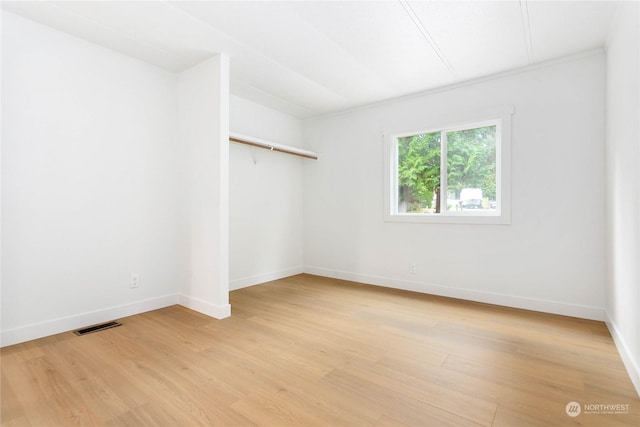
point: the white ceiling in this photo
(313, 57)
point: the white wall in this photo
(112, 167)
(623, 185)
(204, 139)
(550, 258)
(265, 197)
(89, 182)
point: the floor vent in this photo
(97, 328)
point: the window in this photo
(451, 174)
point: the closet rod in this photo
(260, 143)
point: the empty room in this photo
(320, 213)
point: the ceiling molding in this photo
(477, 80)
(316, 57)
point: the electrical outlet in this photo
(135, 280)
(412, 268)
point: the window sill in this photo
(451, 218)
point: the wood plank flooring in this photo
(311, 351)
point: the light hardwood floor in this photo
(311, 351)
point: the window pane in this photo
(471, 169)
(419, 173)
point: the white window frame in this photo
(501, 118)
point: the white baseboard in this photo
(262, 278)
(204, 307)
(64, 324)
(553, 307)
(625, 354)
